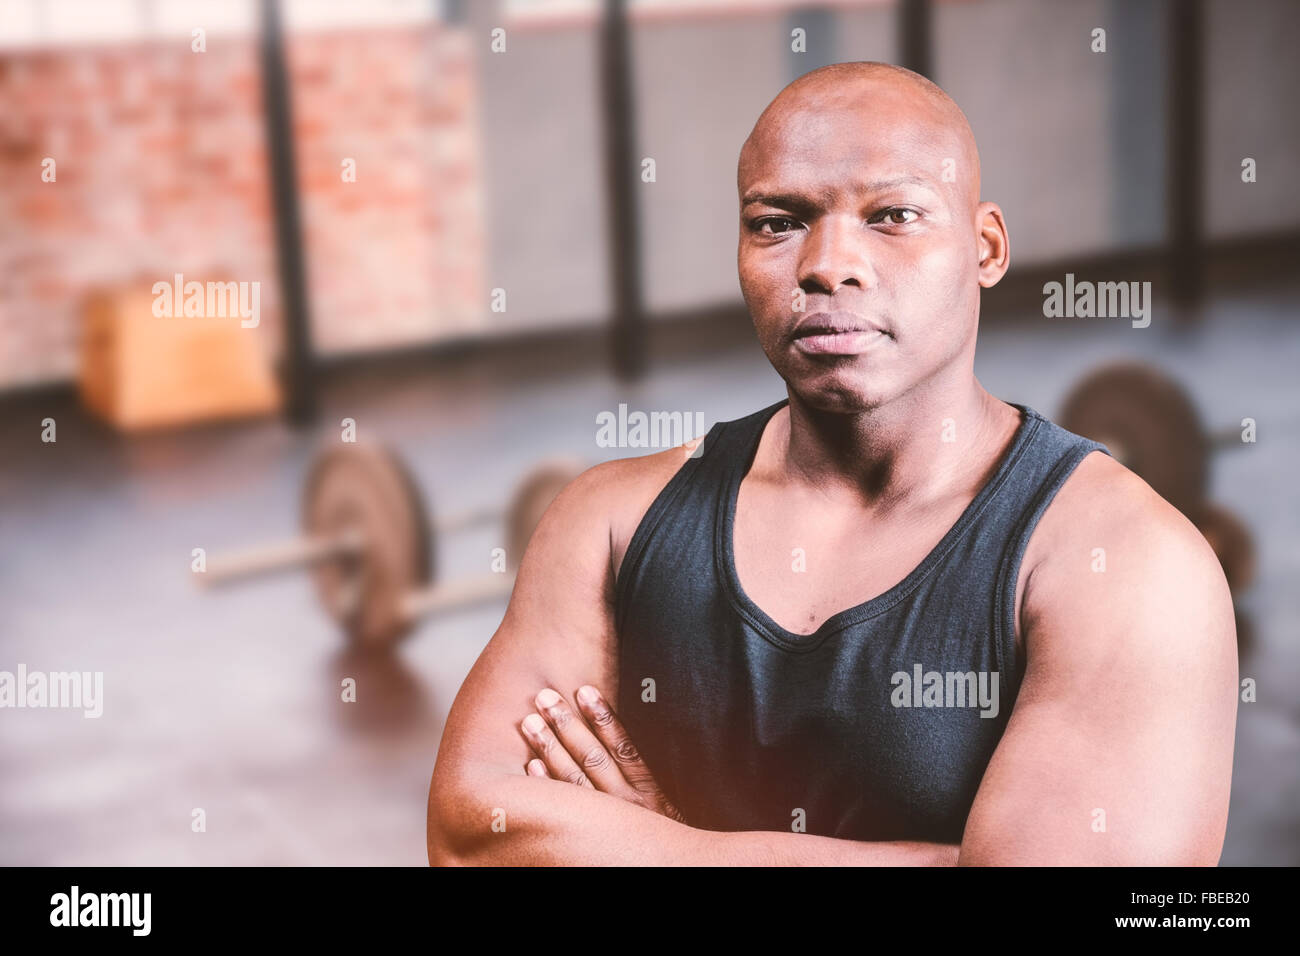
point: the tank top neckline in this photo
(724, 538)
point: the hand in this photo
(606, 760)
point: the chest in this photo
(740, 731)
(803, 562)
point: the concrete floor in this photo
(229, 701)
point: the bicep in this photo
(557, 632)
(1119, 748)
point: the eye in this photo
(772, 221)
(893, 216)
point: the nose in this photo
(835, 254)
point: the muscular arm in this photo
(558, 632)
(1119, 749)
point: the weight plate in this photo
(534, 496)
(366, 490)
(1231, 543)
(1149, 424)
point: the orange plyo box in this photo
(140, 370)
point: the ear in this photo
(994, 243)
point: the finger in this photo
(611, 732)
(558, 763)
(582, 745)
(535, 768)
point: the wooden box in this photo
(143, 370)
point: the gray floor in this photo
(230, 701)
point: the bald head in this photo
(860, 100)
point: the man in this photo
(889, 620)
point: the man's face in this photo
(844, 197)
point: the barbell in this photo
(370, 546)
(1152, 427)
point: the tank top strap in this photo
(694, 493)
(735, 440)
(1050, 458)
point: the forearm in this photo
(804, 849)
(542, 822)
(517, 820)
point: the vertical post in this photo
(1183, 194)
(300, 396)
(1135, 66)
(914, 43)
(628, 330)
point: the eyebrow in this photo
(825, 197)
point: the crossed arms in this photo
(1118, 750)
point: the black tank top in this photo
(878, 726)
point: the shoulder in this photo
(1114, 560)
(1104, 503)
(607, 501)
(619, 486)
(624, 488)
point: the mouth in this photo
(837, 333)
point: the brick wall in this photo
(161, 168)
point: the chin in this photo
(841, 393)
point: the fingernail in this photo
(588, 695)
(534, 723)
(547, 698)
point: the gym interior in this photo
(463, 232)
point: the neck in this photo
(912, 450)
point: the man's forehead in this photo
(844, 150)
(870, 125)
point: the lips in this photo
(837, 333)
(827, 323)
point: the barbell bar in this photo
(369, 544)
